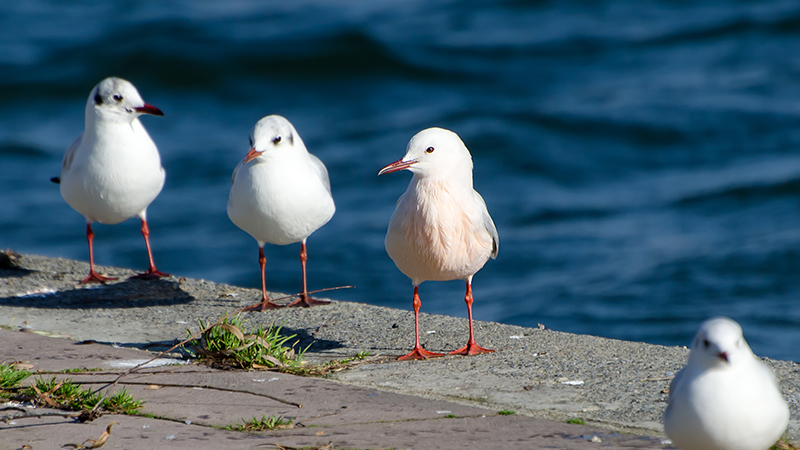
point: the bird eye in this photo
(429, 150)
(117, 97)
(251, 142)
(276, 140)
(705, 343)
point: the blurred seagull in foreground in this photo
(112, 171)
(440, 229)
(725, 398)
(280, 194)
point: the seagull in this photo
(440, 229)
(112, 171)
(280, 193)
(725, 398)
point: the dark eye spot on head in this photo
(251, 141)
(117, 97)
(276, 140)
(98, 99)
(706, 343)
(429, 150)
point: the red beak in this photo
(251, 155)
(397, 165)
(724, 356)
(149, 109)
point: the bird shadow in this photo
(9, 267)
(125, 294)
(305, 339)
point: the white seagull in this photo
(280, 194)
(112, 171)
(440, 229)
(725, 398)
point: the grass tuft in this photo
(506, 412)
(576, 421)
(265, 423)
(11, 377)
(79, 370)
(122, 402)
(70, 396)
(63, 394)
(227, 344)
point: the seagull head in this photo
(435, 153)
(115, 99)
(273, 136)
(719, 343)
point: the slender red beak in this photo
(724, 356)
(397, 165)
(251, 155)
(149, 109)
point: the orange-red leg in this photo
(93, 277)
(471, 348)
(418, 352)
(304, 300)
(265, 303)
(152, 273)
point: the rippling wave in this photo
(639, 159)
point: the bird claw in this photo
(419, 353)
(471, 349)
(95, 277)
(262, 306)
(306, 302)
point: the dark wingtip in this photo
(55, 180)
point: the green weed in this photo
(506, 412)
(577, 421)
(122, 402)
(265, 423)
(70, 396)
(358, 357)
(63, 394)
(227, 344)
(78, 370)
(11, 377)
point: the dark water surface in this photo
(640, 158)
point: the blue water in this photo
(641, 159)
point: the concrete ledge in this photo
(536, 372)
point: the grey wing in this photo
(321, 171)
(489, 224)
(69, 156)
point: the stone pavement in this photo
(536, 372)
(186, 407)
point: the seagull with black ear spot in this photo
(280, 194)
(725, 398)
(441, 229)
(112, 171)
